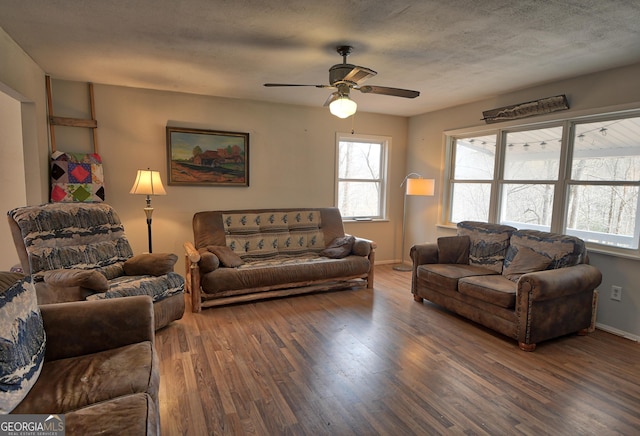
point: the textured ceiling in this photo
(452, 51)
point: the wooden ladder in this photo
(71, 122)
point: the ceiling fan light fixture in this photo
(343, 107)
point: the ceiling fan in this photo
(344, 77)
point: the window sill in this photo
(607, 251)
(365, 220)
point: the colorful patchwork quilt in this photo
(76, 177)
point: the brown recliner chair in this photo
(93, 362)
(79, 251)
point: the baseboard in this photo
(389, 262)
(617, 332)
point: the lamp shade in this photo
(343, 107)
(420, 187)
(148, 183)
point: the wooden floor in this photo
(375, 362)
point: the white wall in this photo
(425, 154)
(292, 157)
(12, 176)
(24, 136)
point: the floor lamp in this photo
(148, 183)
(414, 186)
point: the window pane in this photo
(470, 201)
(604, 214)
(527, 206)
(359, 160)
(533, 154)
(607, 150)
(475, 158)
(359, 199)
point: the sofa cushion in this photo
(262, 235)
(254, 245)
(70, 235)
(225, 255)
(131, 414)
(525, 261)
(488, 243)
(282, 270)
(92, 378)
(495, 289)
(340, 247)
(153, 264)
(158, 288)
(563, 250)
(22, 343)
(446, 276)
(453, 249)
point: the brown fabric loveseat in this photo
(243, 255)
(93, 362)
(526, 284)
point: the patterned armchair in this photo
(79, 251)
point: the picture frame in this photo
(207, 157)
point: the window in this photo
(603, 189)
(473, 174)
(579, 177)
(362, 170)
(531, 171)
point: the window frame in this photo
(385, 143)
(562, 185)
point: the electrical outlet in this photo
(616, 293)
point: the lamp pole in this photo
(402, 266)
(414, 186)
(148, 211)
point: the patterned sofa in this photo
(526, 284)
(79, 251)
(243, 255)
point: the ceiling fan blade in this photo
(383, 90)
(331, 98)
(359, 74)
(349, 73)
(292, 84)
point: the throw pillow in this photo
(489, 243)
(86, 278)
(226, 256)
(340, 247)
(153, 264)
(453, 249)
(208, 261)
(22, 343)
(525, 261)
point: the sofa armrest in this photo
(556, 302)
(424, 253)
(193, 256)
(192, 271)
(367, 248)
(557, 283)
(84, 327)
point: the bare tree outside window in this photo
(360, 178)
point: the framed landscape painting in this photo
(207, 157)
